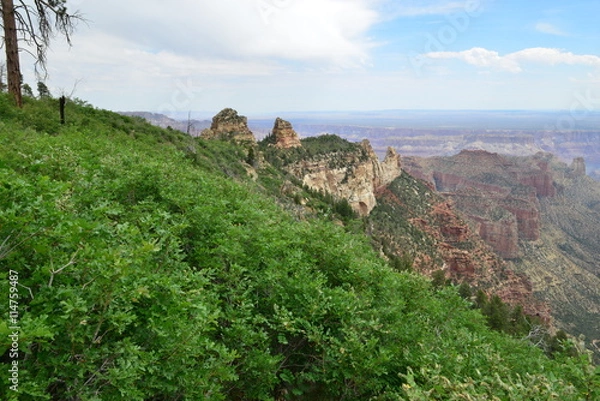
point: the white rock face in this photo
(356, 179)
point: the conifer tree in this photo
(43, 91)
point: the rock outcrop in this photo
(228, 125)
(539, 178)
(539, 213)
(578, 168)
(284, 135)
(390, 168)
(502, 235)
(354, 175)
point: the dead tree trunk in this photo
(62, 102)
(13, 68)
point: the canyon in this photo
(408, 217)
(539, 214)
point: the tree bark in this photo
(13, 68)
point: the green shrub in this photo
(148, 274)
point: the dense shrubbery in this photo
(146, 274)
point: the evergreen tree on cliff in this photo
(34, 24)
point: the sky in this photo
(268, 56)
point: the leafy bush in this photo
(147, 274)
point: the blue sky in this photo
(270, 56)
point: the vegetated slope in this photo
(145, 272)
(565, 265)
(539, 213)
(191, 126)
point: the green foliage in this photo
(328, 143)
(497, 313)
(218, 156)
(27, 91)
(335, 148)
(464, 290)
(327, 203)
(43, 91)
(145, 273)
(403, 263)
(439, 280)
(513, 321)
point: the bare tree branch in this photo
(55, 272)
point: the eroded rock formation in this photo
(284, 135)
(438, 237)
(228, 125)
(578, 168)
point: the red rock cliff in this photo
(499, 195)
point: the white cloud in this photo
(550, 29)
(480, 57)
(316, 30)
(512, 62)
(148, 52)
(109, 66)
(265, 55)
(590, 78)
(321, 31)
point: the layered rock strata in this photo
(499, 195)
(438, 238)
(355, 175)
(284, 135)
(228, 125)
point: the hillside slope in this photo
(413, 220)
(150, 266)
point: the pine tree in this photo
(27, 91)
(43, 91)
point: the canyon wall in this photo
(498, 194)
(352, 175)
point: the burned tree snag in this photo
(62, 102)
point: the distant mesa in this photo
(229, 125)
(284, 134)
